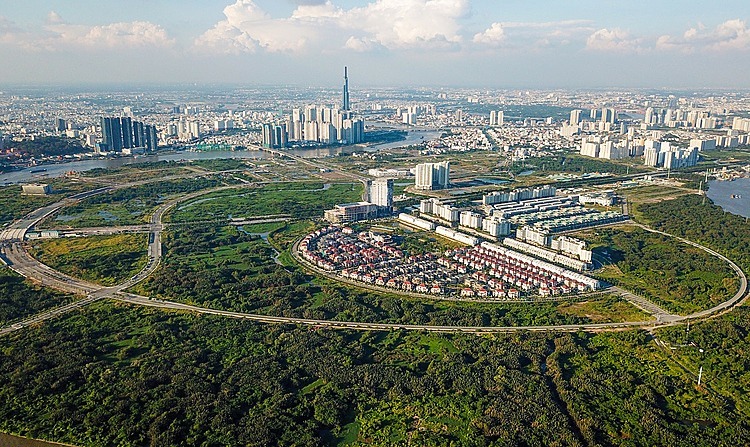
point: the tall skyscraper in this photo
(126, 124)
(124, 133)
(60, 125)
(112, 134)
(609, 115)
(345, 104)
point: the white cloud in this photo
(730, 35)
(394, 24)
(247, 28)
(11, 34)
(317, 12)
(362, 45)
(53, 18)
(113, 35)
(410, 23)
(613, 40)
(58, 34)
(494, 35)
(532, 35)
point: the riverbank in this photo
(733, 196)
(43, 172)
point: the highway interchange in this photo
(14, 254)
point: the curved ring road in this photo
(13, 253)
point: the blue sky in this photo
(484, 43)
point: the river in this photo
(720, 192)
(52, 170)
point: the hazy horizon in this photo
(450, 43)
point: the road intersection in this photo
(14, 254)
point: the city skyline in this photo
(388, 42)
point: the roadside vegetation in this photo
(127, 206)
(105, 260)
(677, 276)
(20, 298)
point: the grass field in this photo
(604, 310)
(126, 206)
(106, 260)
(15, 205)
(299, 199)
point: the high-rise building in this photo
(649, 116)
(280, 136)
(60, 125)
(111, 134)
(497, 118)
(429, 176)
(609, 115)
(381, 193)
(126, 124)
(651, 156)
(124, 133)
(575, 117)
(267, 135)
(345, 102)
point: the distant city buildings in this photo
(431, 176)
(676, 117)
(123, 134)
(663, 154)
(325, 125)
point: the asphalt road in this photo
(14, 253)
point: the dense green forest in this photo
(689, 217)
(118, 375)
